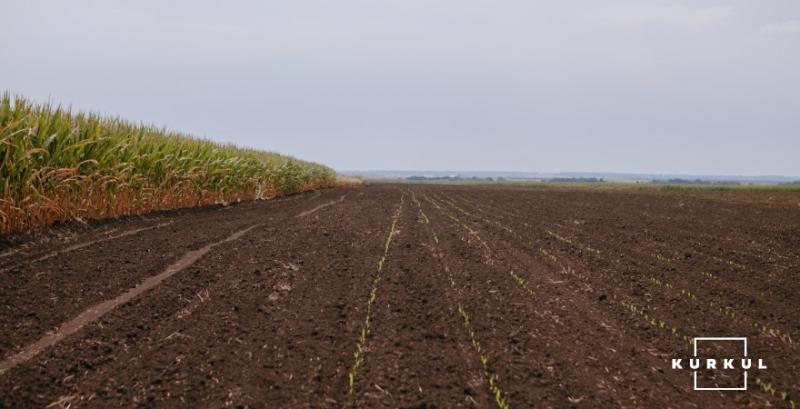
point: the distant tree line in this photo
(576, 180)
(678, 181)
(452, 177)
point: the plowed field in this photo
(413, 296)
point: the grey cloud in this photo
(782, 27)
(673, 14)
(691, 87)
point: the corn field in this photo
(58, 165)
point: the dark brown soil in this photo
(487, 297)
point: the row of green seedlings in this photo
(768, 259)
(471, 231)
(736, 265)
(743, 268)
(709, 275)
(772, 256)
(764, 385)
(518, 278)
(544, 252)
(476, 345)
(427, 221)
(739, 266)
(724, 310)
(769, 251)
(491, 378)
(574, 273)
(523, 283)
(721, 260)
(727, 311)
(665, 259)
(570, 241)
(732, 263)
(547, 254)
(764, 328)
(566, 269)
(358, 354)
(657, 256)
(453, 205)
(434, 202)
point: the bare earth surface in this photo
(411, 296)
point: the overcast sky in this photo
(699, 87)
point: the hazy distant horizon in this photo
(621, 175)
(658, 87)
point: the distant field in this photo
(59, 165)
(721, 187)
(776, 194)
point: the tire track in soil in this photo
(96, 311)
(416, 356)
(37, 297)
(322, 206)
(679, 319)
(50, 239)
(52, 243)
(39, 244)
(88, 243)
(255, 340)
